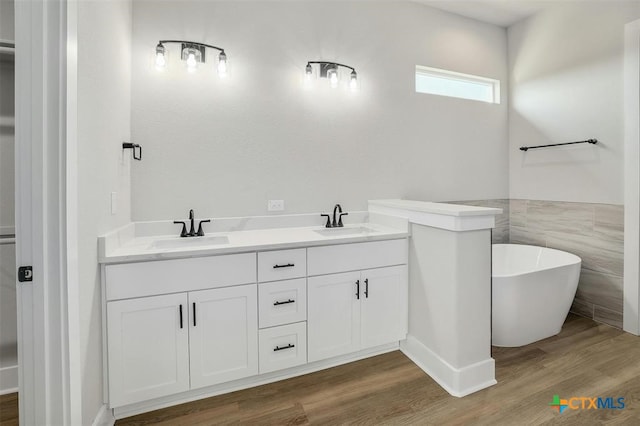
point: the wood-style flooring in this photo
(9, 409)
(585, 359)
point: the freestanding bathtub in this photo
(532, 291)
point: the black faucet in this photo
(192, 229)
(338, 208)
(337, 217)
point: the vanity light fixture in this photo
(192, 58)
(332, 75)
(308, 72)
(353, 81)
(161, 60)
(222, 64)
(192, 53)
(329, 70)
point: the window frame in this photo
(491, 83)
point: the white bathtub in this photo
(532, 291)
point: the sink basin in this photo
(339, 232)
(189, 242)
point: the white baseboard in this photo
(458, 382)
(8, 380)
(104, 417)
(249, 382)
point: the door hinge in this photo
(25, 273)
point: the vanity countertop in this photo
(451, 217)
(443, 209)
(161, 247)
(385, 220)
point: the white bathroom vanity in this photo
(267, 298)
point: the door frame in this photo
(49, 384)
(631, 309)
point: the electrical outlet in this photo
(114, 203)
(275, 205)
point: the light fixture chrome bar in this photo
(336, 64)
(193, 43)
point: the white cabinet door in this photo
(223, 334)
(333, 312)
(383, 297)
(148, 348)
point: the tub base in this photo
(532, 305)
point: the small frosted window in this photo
(457, 85)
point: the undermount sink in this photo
(179, 242)
(334, 232)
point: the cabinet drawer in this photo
(130, 280)
(283, 347)
(353, 257)
(282, 264)
(282, 302)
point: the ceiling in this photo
(498, 12)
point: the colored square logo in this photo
(559, 404)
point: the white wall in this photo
(6, 20)
(225, 148)
(566, 72)
(104, 87)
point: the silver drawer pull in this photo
(278, 348)
(284, 303)
(288, 265)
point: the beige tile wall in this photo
(592, 231)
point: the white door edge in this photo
(44, 349)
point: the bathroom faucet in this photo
(337, 207)
(338, 223)
(192, 229)
(337, 217)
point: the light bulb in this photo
(353, 81)
(333, 78)
(161, 61)
(222, 64)
(309, 72)
(192, 63)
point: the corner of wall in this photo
(104, 168)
